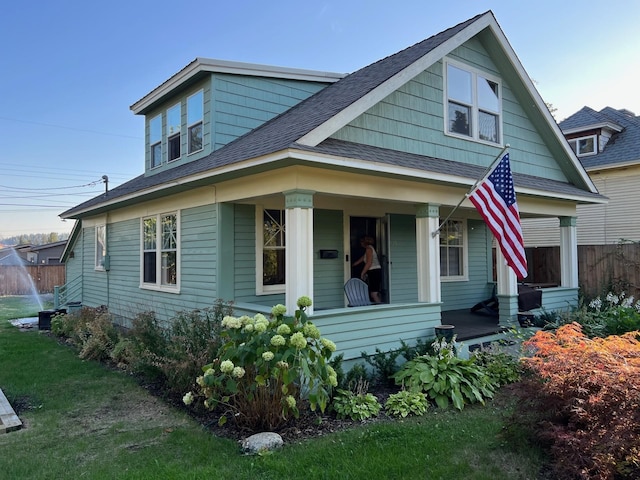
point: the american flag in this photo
(495, 200)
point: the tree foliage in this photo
(590, 391)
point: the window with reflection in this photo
(452, 249)
(160, 240)
(473, 104)
(174, 120)
(195, 119)
(273, 247)
(155, 141)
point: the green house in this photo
(259, 182)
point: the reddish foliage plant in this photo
(595, 386)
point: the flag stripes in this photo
(494, 198)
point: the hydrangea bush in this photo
(266, 369)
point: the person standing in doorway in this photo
(372, 271)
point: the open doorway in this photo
(375, 228)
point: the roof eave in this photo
(595, 126)
(206, 65)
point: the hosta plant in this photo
(406, 402)
(266, 368)
(445, 378)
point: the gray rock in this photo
(261, 442)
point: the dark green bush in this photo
(384, 364)
(501, 367)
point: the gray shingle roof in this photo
(282, 131)
(622, 148)
(396, 158)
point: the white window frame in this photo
(153, 144)
(465, 252)
(474, 105)
(261, 288)
(101, 246)
(158, 285)
(586, 137)
(173, 134)
(194, 122)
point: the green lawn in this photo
(82, 420)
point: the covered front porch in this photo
(384, 327)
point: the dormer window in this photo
(473, 104)
(155, 140)
(173, 132)
(195, 109)
(583, 146)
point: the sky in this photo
(70, 70)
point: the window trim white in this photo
(158, 142)
(178, 133)
(585, 137)
(193, 124)
(465, 254)
(262, 289)
(474, 106)
(100, 265)
(158, 286)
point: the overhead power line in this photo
(52, 125)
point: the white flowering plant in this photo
(268, 368)
(614, 314)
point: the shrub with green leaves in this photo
(384, 365)
(421, 347)
(356, 403)
(500, 366)
(407, 402)
(90, 330)
(618, 314)
(193, 339)
(265, 369)
(446, 378)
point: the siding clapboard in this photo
(411, 119)
(328, 274)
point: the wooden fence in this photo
(601, 268)
(17, 280)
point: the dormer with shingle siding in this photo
(210, 103)
(603, 139)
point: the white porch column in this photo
(299, 247)
(428, 246)
(568, 252)
(507, 291)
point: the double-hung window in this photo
(270, 242)
(195, 118)
(160, 260)
(453, 264)
(155, 141)
(101, 246)
(473, 104)
(584, 145)
(174, 121)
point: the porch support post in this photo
(428, 254)
(507, 291)
(568, 252)
(299, 248)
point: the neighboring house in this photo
(48, 254)
(15, 256)
(260, 181)
(607, 144)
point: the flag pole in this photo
(484, 175)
